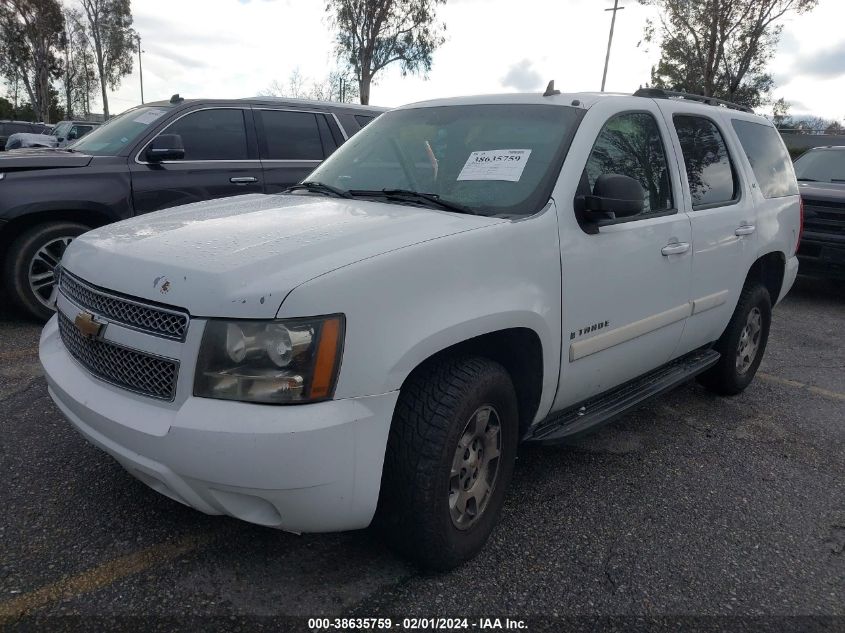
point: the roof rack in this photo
(659, 93)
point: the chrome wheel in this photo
(749, 341)
(475, 467)
(42, 268)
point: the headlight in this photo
(275, 362)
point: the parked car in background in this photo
(152, 157)
(462, 276)
(8, 128)
(821, 181)
(60, 135)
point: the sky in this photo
(237, 48)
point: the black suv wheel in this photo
(31, 262)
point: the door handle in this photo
(675, 248)
(745, 229)
(243, 180)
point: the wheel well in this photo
(12, 229)
(768, 270)
(520, 352)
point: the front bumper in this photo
(822, 258)
(301, 468)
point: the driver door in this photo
(625, 285)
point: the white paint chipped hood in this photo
(240, 256)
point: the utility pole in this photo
(615, 8)
(141, 69)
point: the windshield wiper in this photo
(319, 187)
(430, 199)
(806, 180)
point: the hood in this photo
(240, 257)
(41, 158)
(824, 191)
(24, 139)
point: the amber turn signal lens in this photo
(328, 355)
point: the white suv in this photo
(461, 276)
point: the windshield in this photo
(493, 159)
(109, 139)
(822, 165)
(61, 129)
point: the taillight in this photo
(800, 226)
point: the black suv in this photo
(153, 157)
(821, 180)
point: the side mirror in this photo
(165, 147)
(614, 196)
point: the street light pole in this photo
(141, 69)
(615, 8)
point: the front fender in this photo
(404, 306)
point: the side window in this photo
(290, 135)
(710, 172)
(768, 157)
(630, 144)
(363, 120)
(212, 135)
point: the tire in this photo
(447, 402)
(35, 252)
(738, 364)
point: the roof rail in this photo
(659, 93)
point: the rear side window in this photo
(363, 120)
(711, 175)
(212, 135)
(290, 135)
(768, 157)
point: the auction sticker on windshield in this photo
(149, 116)
(495, 164)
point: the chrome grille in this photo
(130, 369)
(147, 318)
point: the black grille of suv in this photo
(127, 368)
(148, 318)
(821, 216)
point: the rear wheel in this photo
(31, 263)
(449, 461)
(743, 343)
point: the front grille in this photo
(821, 216)
(147, 318)
(130, 369)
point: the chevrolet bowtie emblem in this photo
(87, 324)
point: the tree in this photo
(29, 35)
(835, 127)
(109, 30)
(336, 86)
(780, 112)
(7, 109)
(77, 72)
(719, 48)
(372, 34)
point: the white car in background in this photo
(461, 276)
(62, 135)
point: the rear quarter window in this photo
(768, 157)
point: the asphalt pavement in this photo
(694, 505)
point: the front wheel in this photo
(743, 343)
(31, 263)
(449, 461)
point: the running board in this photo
(601, 409)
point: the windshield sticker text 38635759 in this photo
(495, 164)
